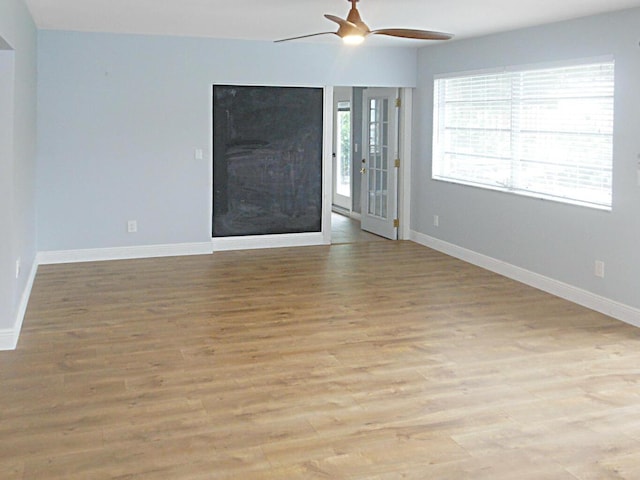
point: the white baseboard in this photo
(340, 210)
(9, 337)
(347, 213)
(123, 253)
(268, 241)
(576, 295)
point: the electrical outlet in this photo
(132, 226)
(198, 154)
(436, 220)
(598, 270)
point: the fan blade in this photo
(304, 36)
(340, 21)
(348, 28)
(416, 34)
(346, 24)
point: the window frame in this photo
(512, 160)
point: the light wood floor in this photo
(347, 230)
(381, 360)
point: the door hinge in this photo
(397, 163)
(396, 223)
(398, 102)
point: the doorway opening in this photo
(342, 150)
(345, 229)
(369, 137)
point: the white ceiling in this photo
(274, 19)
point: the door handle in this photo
(363, 170)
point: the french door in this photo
(379, 167)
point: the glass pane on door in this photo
(378, 170)
(343, 150)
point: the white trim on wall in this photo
(9, 336)
(327, 165)
(254, 242)
(404, 184)
(573, 294)
(123, 253)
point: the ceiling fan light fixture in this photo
(353, 30)
(353, 39)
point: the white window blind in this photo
(546, 132)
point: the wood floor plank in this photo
(381, 360)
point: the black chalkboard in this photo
(267, 160)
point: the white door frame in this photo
(327, 165)
(404, 174)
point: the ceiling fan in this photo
(353, 30)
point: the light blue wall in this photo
(17, 156)
(120, 117)
(557, 241)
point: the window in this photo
(343, 179)
(546, 133)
